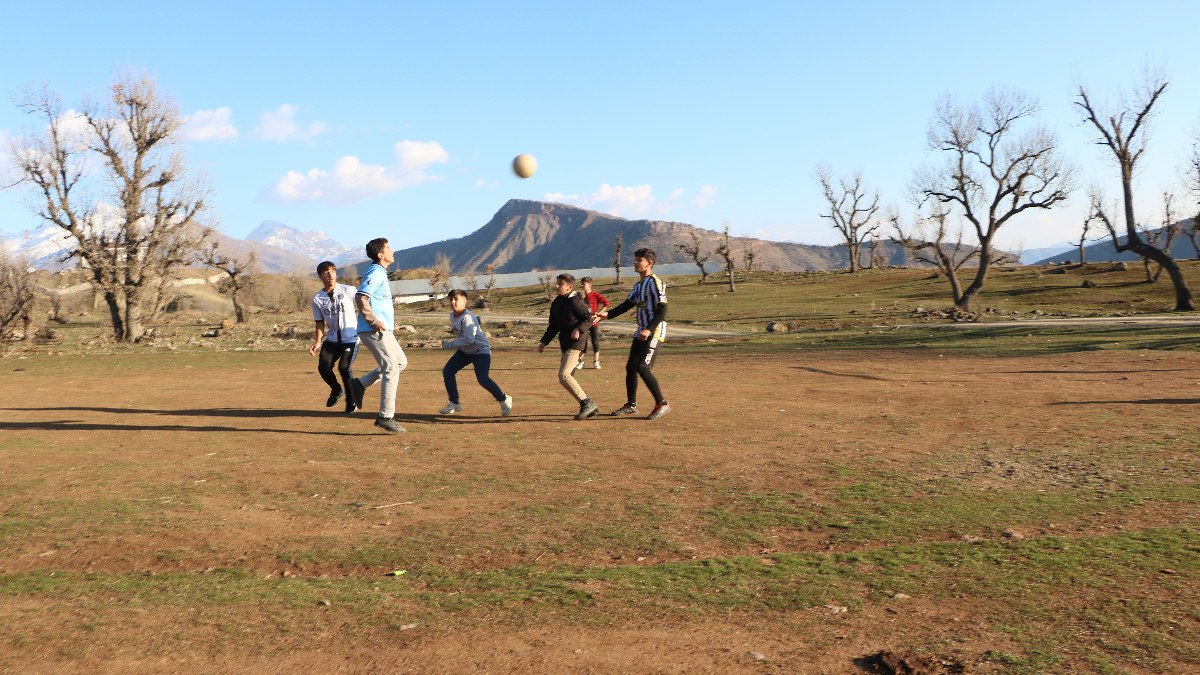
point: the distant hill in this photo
(315, 246)
(1181, 249)
(526, 235)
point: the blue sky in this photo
(401, 119)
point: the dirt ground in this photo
(188, 463)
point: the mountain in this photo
(46, 246)
(1181, 249)
(526, 235)
(1033, 255)
(313, 245)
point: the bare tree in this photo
(1165, 234)
(931, 242)
(1191, 179)
(620, 243)
(1124, 134)
(697, 253)
(546, 281)
(1082, 244)
(148, 224)
(748, 255)
(849, 210)
(874, 258)
(992, 173)
(439, 278)
(490, 270)
(241, 273)
(725, 251)
(17, 292)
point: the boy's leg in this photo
(325, 359)
(458, 361)
(483, 366)
(637, 351)
(645, 368)
(595, 335)
(570, 358)
(392, 362)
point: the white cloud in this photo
(705, 197)
(280, 126)
(209, 125)
(635, 201)
(350, 180)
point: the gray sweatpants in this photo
(392, 362)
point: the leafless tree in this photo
(620, 244)
(932, 242)
(696, 251)
(1083, 235)
(490, 270)
(849, 210)
(148, 223)
(874, 258)
(992, 172)
(17, 292)
(546, 281)
(1191, 179)
(1124, 133)
(439, 278)
(241, 273)
(725, 251)
(1165, 234)
(748, 255)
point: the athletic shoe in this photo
(350, 408)
(506, 406)
(334, 397)
(389, 425)
(586, 409)
(450, 409)
(596, 365)
(356, 392)
(659, 410)
(627, 409)
(579, 366)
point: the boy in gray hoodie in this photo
(471, 347)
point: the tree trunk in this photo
(732, 286)
(114, 314)
(1081, 254)
(852, 248)
(964, 302)
(135, 325)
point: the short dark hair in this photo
(585, 280)
(569, 278)
(647, 253)
(324, 265)
(456, 292)
(374, 247)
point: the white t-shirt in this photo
(336, 309)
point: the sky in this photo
(401, 120)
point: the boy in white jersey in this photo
(336, 335)
(471, 347)
(649, 295)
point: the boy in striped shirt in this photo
(649, 295)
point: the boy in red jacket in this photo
(594, 302)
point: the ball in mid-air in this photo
(524, 165)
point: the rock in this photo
(406, 329)
(216, 332)
(1013, 534)
(1121, 266)
(1088, 283)
(757, 657)
(324, 603)
(228, 324)
(776, 327)
(901, 596)
(837, 609)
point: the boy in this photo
(336, 334)
(471, 346)
(649, 295)
(569, 319)
(376, 321)
(593, 299)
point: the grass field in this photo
(871, 486)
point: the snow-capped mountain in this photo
(310, 244)
(44, 247)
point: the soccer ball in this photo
(524, 165)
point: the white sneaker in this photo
(450, 409)
(506, 406)
(579, 366)
(596, 365)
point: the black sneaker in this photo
(356, 392)
(586, 409)
(627, 409)
(351, 408)
(389, 425)
(334, 397)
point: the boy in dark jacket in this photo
(570, 320)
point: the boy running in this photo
(649, 295)
(336, 334)
(569, 319)
(594, 300)
(471, 347)
(376, 321)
